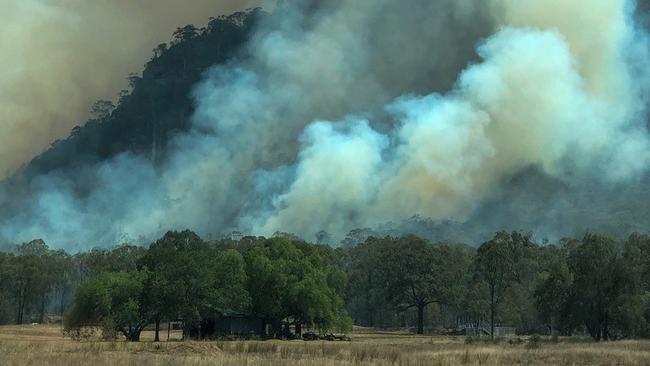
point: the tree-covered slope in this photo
(158, 104)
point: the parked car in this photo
(313, 336)
(336, 337)
(310, 336)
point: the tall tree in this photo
(412, 273)
(366, 295)
(62, 267)
(113, 300)
(180, 283)
(554, 293)
(192, 280)
(602, 282)
(494, 265)
(292, 283)
(32, 279)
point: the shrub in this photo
(555, 339)
(534, 341)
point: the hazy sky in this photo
(58, 56)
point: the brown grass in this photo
(44, 345)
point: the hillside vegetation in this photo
(144, 118)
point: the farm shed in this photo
(240, 326)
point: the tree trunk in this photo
(154, 139)
(369, 308)
(421, 318)
(134, 336)
(590, 329)
(276, 324)
(286, 331)
(298, 329)
(492, 311)
(41, 317)
(186, 331)
(61, 302)
(264, 328)
(21, 307)
(157, 334)
(169, 329)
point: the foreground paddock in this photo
(44, 345)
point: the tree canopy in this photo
(594, 284)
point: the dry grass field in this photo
(44, 345)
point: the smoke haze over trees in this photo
(90, 48)
(323, 117)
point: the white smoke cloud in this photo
(525, 104)
(413, 129)
(337, 177)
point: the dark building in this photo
(239, 326)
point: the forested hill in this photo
(158, 104)
(311, 101)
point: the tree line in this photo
(182, 277)
(595, 285)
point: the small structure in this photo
(240, 326)
(236, 235)
(503, 331)
(499, 331)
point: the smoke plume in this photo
(59, 56)
(354, 114)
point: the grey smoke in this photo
(354, 114)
